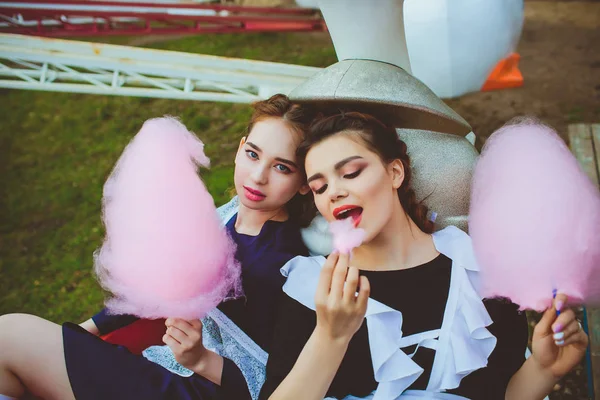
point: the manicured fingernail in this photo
(557, 328)
(559, 342)
(559, 305)
(559, 336)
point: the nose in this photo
(336, 192)
(260, 174)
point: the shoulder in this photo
(506, 315)
(456, 245)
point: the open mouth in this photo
(349, 211)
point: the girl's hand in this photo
(184, 338)
(340, 312)
(558, 343)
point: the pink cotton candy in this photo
(534, 219)
(345, 236)
(166, 253)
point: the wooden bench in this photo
(584, 141)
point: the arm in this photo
(559, 344)
(340, 313)
(90, 326)
(184, 338)
(530, 382)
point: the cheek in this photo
(322, 204)
(241, 170)
(374, 186)
(379, 196)
(284, 186)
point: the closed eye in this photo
(320, 190)
(353, 174)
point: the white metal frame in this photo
(34, 63)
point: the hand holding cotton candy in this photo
(534, 219)
(345, 235)
(166, 253)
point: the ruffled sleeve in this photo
(465, 343)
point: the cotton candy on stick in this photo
(345, 236)
(165, 253)
(534, 219)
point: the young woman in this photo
(427, 333)
(51, 362)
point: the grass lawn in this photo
(57, 149)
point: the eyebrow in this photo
(337, 166)
(282, 160)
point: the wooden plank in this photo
(584, 141)
(582, 146)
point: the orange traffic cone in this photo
(505, 75)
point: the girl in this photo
(427, 333)
(51, 362)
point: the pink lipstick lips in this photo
(253, 194)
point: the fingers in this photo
(325, 278)
(363, 293)
(543, 328)
(188, 327)
(177, 334)
(563, 320)
(350, 288)
(579, 338)
(196, 324)
(547, 324)
(169, 341)
(339, 276)
(569, 334)
(187, 333)
(559, 301)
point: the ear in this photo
(396, 171)
(242, 143)
(304, 189)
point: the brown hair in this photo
(382, 140)
(301, 208)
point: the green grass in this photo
(57, 149)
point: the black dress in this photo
(420, 293)
(99, 370)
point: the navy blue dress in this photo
(100, 370)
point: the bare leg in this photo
(32, 358)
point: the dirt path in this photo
(560, 61)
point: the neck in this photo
(400, 245)
(250, 222)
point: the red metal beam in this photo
(85, 18)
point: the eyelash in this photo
(353, 175)
(321, 190)
(252, 155)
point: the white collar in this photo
(464, 325)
